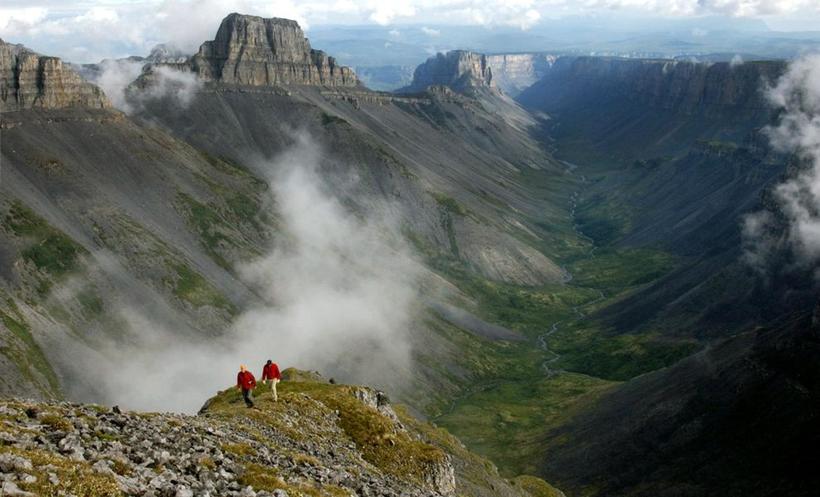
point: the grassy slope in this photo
(403, 454)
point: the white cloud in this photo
(131, 28)
(430, 31)
(15, 21)
(339, 293)
(797, 95)
(737, 60)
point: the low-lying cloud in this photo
(337, 292)
(116, 78)
(797, 96)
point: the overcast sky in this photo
(86, 31)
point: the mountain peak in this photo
(257, 51)
(30, 80)
(461, 70)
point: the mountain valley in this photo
(540, 256)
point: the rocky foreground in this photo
(318, 440)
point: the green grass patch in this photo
(602, 220)
(206, 221)
(506, 422)
(393, 451)
(238, 449)
(91, 304)
(49, 249)
(191, 287)
(31, 356)
(449, 204)
(616, 357)
(75, 478)
(56, 254)
(536, 487)
(615, 270)
(328, 119)
(267, 478)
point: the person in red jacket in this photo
(271, 372)
(246, 382)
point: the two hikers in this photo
(271, 372)
(246, 382)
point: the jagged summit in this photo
(30, 80)
(459, 70)
(256, 51)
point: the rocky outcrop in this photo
(29, 80)
(514, 73)
(318, 439)
(459, 70)
(255, 51)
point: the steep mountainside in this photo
(735, 419)
(143, 241)
(317, 440)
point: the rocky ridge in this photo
(255, 51)
(459, 70)
(319, 439)
(32, 81)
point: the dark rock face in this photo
(29, 80)
(735, 419)
(250, 50)
(686, 87)
(457, 69)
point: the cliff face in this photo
(250, 50)
(458, 69)
(516, 72)
(649, 108)
(29, 80)
(685, 87)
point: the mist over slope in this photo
(221, 210)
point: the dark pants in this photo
(246, 394)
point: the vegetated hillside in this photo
(738, 418)
(318, 439)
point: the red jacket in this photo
(245, 380)
(271, 372)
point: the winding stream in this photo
(549, 371)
